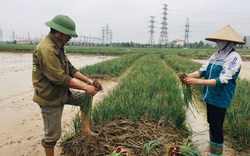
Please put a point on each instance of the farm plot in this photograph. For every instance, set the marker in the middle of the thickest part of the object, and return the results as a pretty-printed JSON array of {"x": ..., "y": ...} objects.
[
  {"x": 146, "y": 106},
  {"x": 150, "y": 94}
]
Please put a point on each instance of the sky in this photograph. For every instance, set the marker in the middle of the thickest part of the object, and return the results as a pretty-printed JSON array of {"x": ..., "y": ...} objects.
[{"x": 128, "y": 19}]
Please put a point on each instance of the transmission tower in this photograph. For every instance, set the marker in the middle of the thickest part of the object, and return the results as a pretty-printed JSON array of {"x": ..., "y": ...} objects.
[
  {"x": 1, "y": 35},
  {"x": 13, "y": 35},
  {"x": 103, "y": 35},
  {"x": 28, "y": 35},
  {"x": 107, "y": 33},
  {"x": 163, "y": 40},
  {"x": 186, "y": 41},
  {"x": 110, "y": 36},
  {"x": 151, "y": 40}
]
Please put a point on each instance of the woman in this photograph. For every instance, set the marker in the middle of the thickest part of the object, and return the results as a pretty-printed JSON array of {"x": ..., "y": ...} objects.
[{"x": 220, "y": 74}]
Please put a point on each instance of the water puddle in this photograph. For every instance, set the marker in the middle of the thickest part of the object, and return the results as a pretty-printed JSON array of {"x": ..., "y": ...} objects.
[
  {"x": 15, "y": 71},
  {"x": 197, "y": 120}
]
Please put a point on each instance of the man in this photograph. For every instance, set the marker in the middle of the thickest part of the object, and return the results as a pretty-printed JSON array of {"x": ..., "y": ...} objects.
[{"x": 52, "y": 76}]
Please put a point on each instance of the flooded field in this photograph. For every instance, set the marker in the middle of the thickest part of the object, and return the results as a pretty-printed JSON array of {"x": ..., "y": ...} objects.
[
  {"x": 198, "y": 123},
  {"x": 15, "y": 71},
  {"x": 21, "y": 123}
]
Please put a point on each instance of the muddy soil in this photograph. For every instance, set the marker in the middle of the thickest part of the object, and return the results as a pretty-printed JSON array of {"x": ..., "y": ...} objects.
[{"x": 130, "y": 135}]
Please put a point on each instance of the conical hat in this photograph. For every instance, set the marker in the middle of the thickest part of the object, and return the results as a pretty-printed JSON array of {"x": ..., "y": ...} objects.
[{"x": 226, "y": 33}]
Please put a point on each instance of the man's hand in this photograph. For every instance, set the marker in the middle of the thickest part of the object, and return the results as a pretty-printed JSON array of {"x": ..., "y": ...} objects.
[
  {"x": 97, "y": 85},
  {"x": 91, "y": 89},
  {"x": 89, "y": 82}
]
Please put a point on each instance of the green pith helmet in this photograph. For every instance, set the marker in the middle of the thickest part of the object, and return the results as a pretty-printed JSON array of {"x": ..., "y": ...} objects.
[{"x": 63, "y": 24}]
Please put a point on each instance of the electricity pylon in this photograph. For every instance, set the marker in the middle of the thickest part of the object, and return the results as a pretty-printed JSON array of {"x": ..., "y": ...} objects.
[
  {"x": 163, "y": 40},
  {"x": 151, "y": 40},
  {"x": 186, "y": 40}
]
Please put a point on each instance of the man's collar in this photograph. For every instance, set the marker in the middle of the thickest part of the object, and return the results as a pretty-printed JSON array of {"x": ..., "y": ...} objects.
[{"x": 58, "y": 42}]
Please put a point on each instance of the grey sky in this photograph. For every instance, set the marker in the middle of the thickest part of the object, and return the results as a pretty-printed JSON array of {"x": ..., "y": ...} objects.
[{"x": 128, "y": 19}]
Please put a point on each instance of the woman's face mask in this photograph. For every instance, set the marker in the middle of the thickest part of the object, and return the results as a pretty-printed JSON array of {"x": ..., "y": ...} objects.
[{"x": 221, "y": 44}]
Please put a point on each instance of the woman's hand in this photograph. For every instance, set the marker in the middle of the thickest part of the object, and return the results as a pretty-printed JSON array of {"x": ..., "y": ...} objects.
[{"x": 191, "y": 81}]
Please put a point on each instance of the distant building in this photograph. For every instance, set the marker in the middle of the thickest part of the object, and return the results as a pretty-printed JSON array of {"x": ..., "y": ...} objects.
[
  {"x": 24, "y": 42},
  {"x": 178, "y": 42},
  {"x": 28, "y": 41}
]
